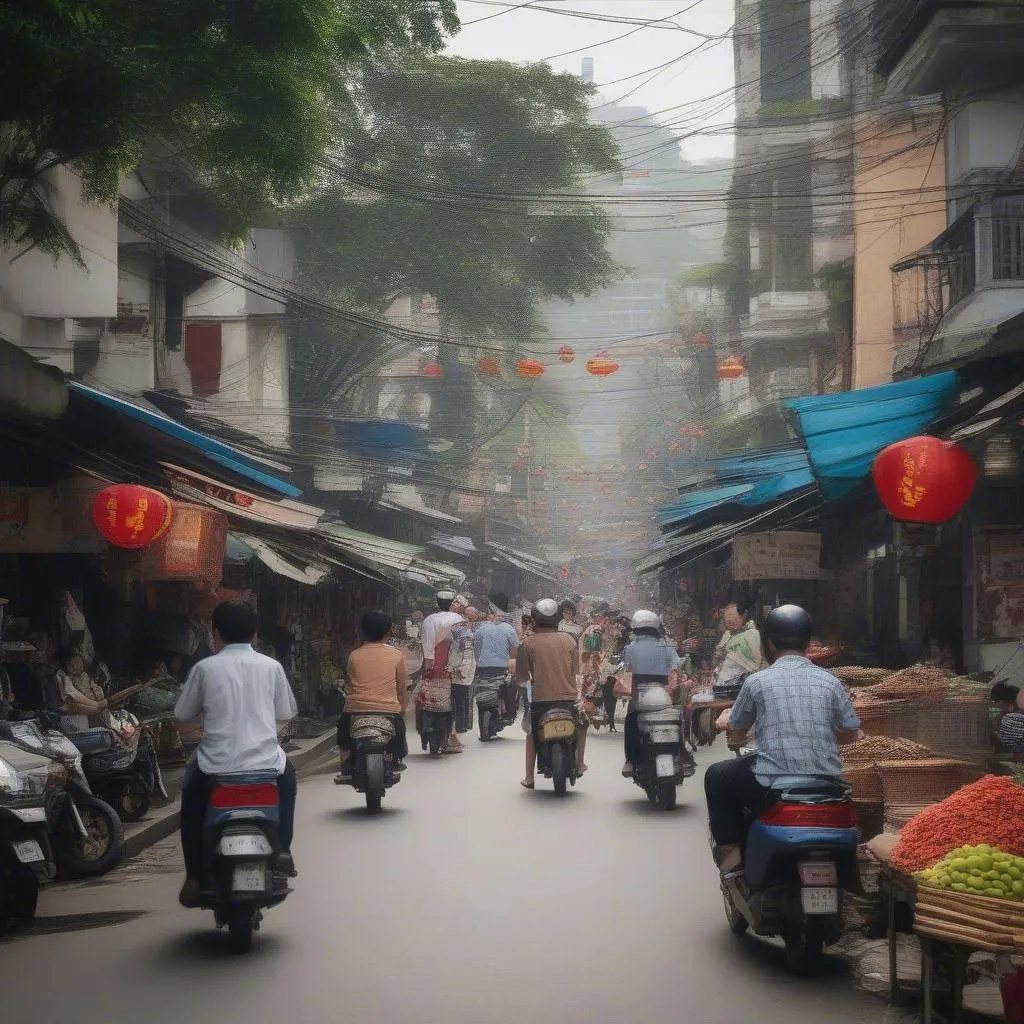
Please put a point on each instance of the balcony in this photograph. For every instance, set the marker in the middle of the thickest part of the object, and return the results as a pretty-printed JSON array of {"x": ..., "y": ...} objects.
[
  {"x": 952, "y": 296},
  {"x": 930, "y": 46}
]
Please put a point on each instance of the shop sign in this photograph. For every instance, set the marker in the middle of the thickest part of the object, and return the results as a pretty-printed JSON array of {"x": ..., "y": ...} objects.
[
  {"x": 777, "y": 556},
  {"x": 49, "y": 520},
  {"x": 194, "y": 486},
  {"x": 999, "y": 582}
]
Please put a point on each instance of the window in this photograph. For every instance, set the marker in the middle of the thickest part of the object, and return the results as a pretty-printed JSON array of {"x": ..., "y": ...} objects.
[
  {"x": 785, "y": 50},
  {"x": 203, "y": 354}
]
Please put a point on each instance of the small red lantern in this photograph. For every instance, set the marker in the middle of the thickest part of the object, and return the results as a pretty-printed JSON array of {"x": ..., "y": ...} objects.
[
  {"x": 566, "y": 354},
  {"x": 701, "y": 340},
  {"x": 674, "y": 446},
  {"x": 540, "y": 472},
  {"x": 130, "y": 516},
  {"x": 564, "y": 572},
  {"x": 530, "y": 368},
  {"x": 433, "y": 369},
  {"x": 652, "y": 453},
  {"x": 692, "y": 430},
  {"x": 731, "y": 368},
  {"x": 924, "y": 480},
  {"x": 523, "y": 450},
  {"x": 519, "y": 464},
  {"x": 606, "y": 490},
  {"x": 602, "y": 365},
  {"x": 489, "y": 365}
]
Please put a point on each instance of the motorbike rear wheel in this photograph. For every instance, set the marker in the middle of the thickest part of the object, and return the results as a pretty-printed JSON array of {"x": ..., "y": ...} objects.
[
  {"x": 485, "y": 726},
  {"x": 21, "y": 903},
  {"x": 738, "y": 924},
  {"x": 804, "y": 947},
  {"x": 102, "y": 849},
  {"x": 374, "y": 781},
  {"x": 665, "y": 796},
  {"x": 241, "y": 919},
  {"x": 558, "y": 768}
]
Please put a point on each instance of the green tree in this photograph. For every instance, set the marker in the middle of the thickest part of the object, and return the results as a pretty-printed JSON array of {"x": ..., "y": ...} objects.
[
  {"x": 251, "y": 94},
  {"x": 459, "y": 179}
]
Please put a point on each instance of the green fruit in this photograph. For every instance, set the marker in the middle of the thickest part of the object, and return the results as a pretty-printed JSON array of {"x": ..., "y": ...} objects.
[
  {"x": 994, "y": 892},
  {"x": 974, "y": 862},
  {"x": 1006, "y": 879},
  {"x": 959, "y": 887},
  {"x": 991, "y": 876},
  {"x": 1018, "y": 888},
  {"x": 976, "y": 883},
  {"x": 986, "y": 862},
  {"x": 958, "y": 863}
]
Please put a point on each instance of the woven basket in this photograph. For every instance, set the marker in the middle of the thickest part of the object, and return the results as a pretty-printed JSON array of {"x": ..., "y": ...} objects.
[
  {"x": 865, "y": 782},
  {"x": 856, "y": 675},
  {"x": 897, "y": 815},
  {"x": 980, "y": 922},
  {"x": 927, "y": 781},
  {"x": 885, "y": 718},
  {"x": 954, "y": 727}
]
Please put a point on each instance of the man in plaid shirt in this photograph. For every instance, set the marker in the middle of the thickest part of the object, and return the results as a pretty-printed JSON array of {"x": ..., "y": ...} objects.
[{"x": 802, "y": 715}]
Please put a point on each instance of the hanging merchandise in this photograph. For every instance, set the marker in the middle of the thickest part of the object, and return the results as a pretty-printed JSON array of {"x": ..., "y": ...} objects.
[
  {"x": 432, "y": 369},
  {"x": 602, "y": 365},
  {"x": 731, "y": 368},
  {"x": 566, "y": 353},
  {"x": 924, "y": 479},
  {"x": 130, "y": 516},
  {"x": 489, "y": 365},
  {"x": 192, "y": 549},
  {"x": 530, "y": 368}
]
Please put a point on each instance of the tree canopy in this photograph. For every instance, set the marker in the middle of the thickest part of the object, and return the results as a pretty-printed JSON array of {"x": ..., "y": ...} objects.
[{"x": 250, "y": 94}]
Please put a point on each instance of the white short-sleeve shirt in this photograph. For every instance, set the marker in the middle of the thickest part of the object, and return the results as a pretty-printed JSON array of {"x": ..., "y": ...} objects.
[{"x": 242, "y": 695}]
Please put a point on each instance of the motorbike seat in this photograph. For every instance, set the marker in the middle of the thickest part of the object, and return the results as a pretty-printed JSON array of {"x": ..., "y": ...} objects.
[
  {"x": 245, "y": 778},
  {"x": 798, "y": 788},
  {"x": 90, "y": 740},
  {"x": 556, "y": 715}
]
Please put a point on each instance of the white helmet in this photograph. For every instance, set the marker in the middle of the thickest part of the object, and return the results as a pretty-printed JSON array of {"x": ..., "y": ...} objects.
[
  {"x": 545, "y": 612},
  {"x": 644, "y": 619}
]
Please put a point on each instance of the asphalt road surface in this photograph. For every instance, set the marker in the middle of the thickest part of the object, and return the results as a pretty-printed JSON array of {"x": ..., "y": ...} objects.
[{"x": 467, "y": 900}]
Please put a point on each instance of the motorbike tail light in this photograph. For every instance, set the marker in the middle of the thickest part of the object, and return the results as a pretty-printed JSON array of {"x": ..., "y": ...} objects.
[
  {"x": 830, "y": 815},
  {"x": 260, "y": 794}
]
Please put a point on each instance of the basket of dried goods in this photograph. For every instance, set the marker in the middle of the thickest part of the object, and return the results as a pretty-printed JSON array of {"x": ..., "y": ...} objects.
[
  {"x": 956, "y": 727},
  {"x": 881, "y": 717},
  {"x": 973, "y": 895},
  {"x": 920, "y": 682},
  {"x": 882, "y": 748},
  {"x": 857, "y": 675},
  {"x": 865, "y": 783},
  {"x": 989, "y": 811},
  {"x": 897, "y": 815},
  {"x": 924, "y": 781}
]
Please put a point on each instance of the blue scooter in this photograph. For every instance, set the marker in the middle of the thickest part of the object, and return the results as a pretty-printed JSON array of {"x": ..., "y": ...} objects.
[
  {"x": 240, "y": 849},
  {"x": 799, "y": 856}
]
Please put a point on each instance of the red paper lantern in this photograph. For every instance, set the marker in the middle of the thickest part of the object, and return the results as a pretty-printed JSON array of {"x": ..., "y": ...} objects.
[
  {"x": 602, "y": 365},
  {"x": 567, "y": 353},
  {"x": 652, "y": 453},
  {"x": 692, "y": 430},
  {"x": 701, "y": 340},
  {"x": 540, "y": 471},
  {"x": 731, "y": 368},
  {"x": 674, "y": 446},
  {"x": 130, "y": 516},
  {"x": 530, "y": 368},
  {"x": 433, "y": 369},
  {"x": 924, "y": 480},
  {"x": 489, "y": 366},
  {"x": 606, "y": 491},
  {"x": 519, "y": 464}
]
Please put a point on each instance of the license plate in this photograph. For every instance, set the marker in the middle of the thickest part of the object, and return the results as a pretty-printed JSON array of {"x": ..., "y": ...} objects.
[
  {"x": 818, "y": 872},
  {"x": 819, "y": 901},
  {"x": 664, "y": 766},
  {"x": 28, "y": 851},
  {"x": 244, "y": 846},
  {"x": 249, "y": 878},
  {"x": 664, "y": 734}
]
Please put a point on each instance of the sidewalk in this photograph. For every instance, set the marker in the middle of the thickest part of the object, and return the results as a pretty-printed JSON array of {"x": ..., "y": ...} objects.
[{"x": 163, "y": 820}]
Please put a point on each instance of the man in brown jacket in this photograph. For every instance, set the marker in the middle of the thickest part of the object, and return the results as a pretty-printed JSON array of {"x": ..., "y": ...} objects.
[{"x": 550, "y": 660}]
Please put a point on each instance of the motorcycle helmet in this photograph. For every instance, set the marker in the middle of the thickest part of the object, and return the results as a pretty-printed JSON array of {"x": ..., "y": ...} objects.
[
  {"x": 645, "y": 620},
  {"x": 788, "y": 627},
  {"x": 545, "y": 612}
]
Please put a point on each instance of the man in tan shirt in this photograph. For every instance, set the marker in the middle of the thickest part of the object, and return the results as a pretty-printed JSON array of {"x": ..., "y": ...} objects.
[
  {"x": 377, "y": 684},
  {"x": 551, "y": 661}
]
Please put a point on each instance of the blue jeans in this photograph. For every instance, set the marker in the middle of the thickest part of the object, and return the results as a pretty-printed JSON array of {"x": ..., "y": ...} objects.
[{"x": 195, "y": 795}]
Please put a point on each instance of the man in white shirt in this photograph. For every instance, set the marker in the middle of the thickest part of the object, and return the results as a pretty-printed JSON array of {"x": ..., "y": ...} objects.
[
  {"x": 241, "y": 697},
  {"x": 436, "y": 637}
]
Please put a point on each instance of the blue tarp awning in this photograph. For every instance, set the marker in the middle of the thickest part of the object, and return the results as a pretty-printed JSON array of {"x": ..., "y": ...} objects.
[
  {"x": 843, "y": 433},
  {"x": 697, "y": 502},
  {"x": 384, "y": 439},
  {"x": 217, "y": 451}
]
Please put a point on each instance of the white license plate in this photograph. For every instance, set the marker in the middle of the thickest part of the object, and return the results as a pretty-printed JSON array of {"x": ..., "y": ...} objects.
[
  {"x": 244, "y": 846},
  {"x": 249, "y": 878},
  {"x": 664, "y": 734},
  {"x": 818, "y": 872},
  {"x": 664, "y": 766},
  {"x": 819, "y": 901},
  {"x": 28, "y": 851}
]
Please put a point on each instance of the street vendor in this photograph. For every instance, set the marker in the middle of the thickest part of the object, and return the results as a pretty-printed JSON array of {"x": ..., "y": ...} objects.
[
  {"x": 739, "y": 651},
  {"x": 84, "y": 703}
]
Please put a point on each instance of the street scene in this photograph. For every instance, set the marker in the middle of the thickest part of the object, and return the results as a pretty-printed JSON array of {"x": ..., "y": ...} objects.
[{"x": 512, "y": 508}]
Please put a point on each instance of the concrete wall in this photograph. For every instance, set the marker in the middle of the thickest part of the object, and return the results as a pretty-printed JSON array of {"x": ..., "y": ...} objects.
[{"x": 898, "y": 209}]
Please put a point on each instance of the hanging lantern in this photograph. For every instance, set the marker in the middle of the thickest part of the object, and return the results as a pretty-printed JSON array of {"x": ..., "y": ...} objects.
[
  {"x": 530, "y": 368},
  {"x": 641, "y": 466},
  {"x": 652, "y": 453},
  {"x": 566, "y": 354},
  {"x": 602, "y": 365},
  {"x": 564, "y": 573},
  {"x": 519, "y": 464},
  {"x": 924, "y": 480},
  {"x": 540, "y": 471},
  {"x": 489, "y": 365},
  {"x": 130, "y": 516},
  {"x": 701, "y": 340},
  {"x": 731, "y": 368},
  {"x": 606, "y": 490},
  {"x": 674, "y": 446},
  {"x": 432, "y": 369},
  {"x": 191, "y": 550},
  {"x": 692, "y": 430},
  {"x": 523, "y": 450}
]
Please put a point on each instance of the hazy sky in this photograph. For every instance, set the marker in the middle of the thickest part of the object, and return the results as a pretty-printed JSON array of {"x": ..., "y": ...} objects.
[{"x": 675, "y": 72}]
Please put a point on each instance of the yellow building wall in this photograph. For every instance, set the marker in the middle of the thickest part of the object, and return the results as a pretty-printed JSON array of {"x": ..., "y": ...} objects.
[{"x": 899, "y": 206}]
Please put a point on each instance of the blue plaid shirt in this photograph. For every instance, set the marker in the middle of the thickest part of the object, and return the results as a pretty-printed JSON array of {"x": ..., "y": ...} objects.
[{"x": 797, "y": 709}]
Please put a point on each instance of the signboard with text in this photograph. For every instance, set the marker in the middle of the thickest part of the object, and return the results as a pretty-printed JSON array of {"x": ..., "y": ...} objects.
[{"x": 777, "y": 556}]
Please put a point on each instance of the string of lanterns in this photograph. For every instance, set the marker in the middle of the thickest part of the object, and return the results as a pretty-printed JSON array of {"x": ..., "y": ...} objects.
[{"x": 601, "y": 365}]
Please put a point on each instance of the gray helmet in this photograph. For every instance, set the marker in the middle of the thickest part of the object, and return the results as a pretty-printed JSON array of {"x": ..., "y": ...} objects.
[
  {"x": 545, "y": 612},
  {"x": 788, "y": 627},
  {"x": 644, "y": 619}
]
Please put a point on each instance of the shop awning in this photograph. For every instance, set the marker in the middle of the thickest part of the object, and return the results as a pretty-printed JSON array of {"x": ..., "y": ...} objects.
[
  {"x": 310, "y": 574},
  {"x": 698, "y": 502},
  {"x": 217, "y": 451},
  {"x": 407, "y": 498},
  {"x": 392, "y": 555},
  {"x": 462, "y": 546},
  {"x": 526, "y": 562},
  {"x": 844, "y": 432}
]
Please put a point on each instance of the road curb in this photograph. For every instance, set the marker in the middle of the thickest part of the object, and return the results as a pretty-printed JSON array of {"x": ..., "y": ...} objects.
[{"x": 169, "y": 819}]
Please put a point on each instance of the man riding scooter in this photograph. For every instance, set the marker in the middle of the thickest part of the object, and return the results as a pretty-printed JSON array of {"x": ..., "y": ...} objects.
[
  {"x": 802, "y": 715},
  {"x": 241, "y": 697}
]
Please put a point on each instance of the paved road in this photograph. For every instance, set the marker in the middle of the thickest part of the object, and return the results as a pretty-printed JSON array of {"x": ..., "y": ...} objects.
[{"x": 467, "y": 900}]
